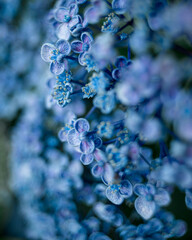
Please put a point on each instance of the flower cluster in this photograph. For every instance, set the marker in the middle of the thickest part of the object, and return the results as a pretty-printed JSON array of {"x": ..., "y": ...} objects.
[{"x": 119, "y": 90}]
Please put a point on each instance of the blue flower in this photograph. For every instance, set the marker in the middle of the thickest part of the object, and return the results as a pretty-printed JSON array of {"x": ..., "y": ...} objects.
[
  {"x": 64, "y": 78},
  {"x": 69, "y": 20},
  {"x": 111, "y": 23},
  {"x": 116, "y": 157},
  {"x": 88, "y": 91},
  {"x": 120, "y": 6},
  {"x": 116, "y": 193},
  {"x": 86, "y": 141},
  {"x": 56, "y": 55},
  {"x": 99, "y": 82},
  {"x": 83, "y": 46},
  {"x": 121, "y": 64},
  {"x": 61, "y": 94},
  {"x": 105, "y": 101},
  {"x": 105, "y": 129},
  {"x": 148, "y": 231},
  {"x": 102, "y": 168},
  {"x": 149, "y": 198}
]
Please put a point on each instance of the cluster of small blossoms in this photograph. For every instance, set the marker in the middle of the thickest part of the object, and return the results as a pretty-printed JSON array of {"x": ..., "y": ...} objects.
[
  {"x": 120, "y": 92},
  {"x": 118, "y": 56}
]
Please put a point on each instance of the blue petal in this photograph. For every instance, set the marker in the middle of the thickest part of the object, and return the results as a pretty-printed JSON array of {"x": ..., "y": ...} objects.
[
  {"x": 113, "y": 194},
  {"x": 98, "y": 142},
  {"x": 140, "y": 189},
  {"x": 46, "y": 51},
  {"x": 92, "y": 15},
  {"x": 73, "y": 138},
  {"x": 82, "y": 125},
  {"x": 116, "y": 74},
  {"x": 120, "y": 6},
  {"x": 162, "y": 197},
  {"x": 126, "y": 188},
  {"x": 188, "y": 199},
  {"x": 145, "y": 208},
  {"x": 63, "y": 133},
  {"x": 57, "y": 68},
  {"x": 61, "y": 14},
  {"x": 108, "y": 174},
  {"x": 63, "y": 31},
  {"x": 179, "y": 229},
  {"x": 64, "y": 47},
  {"x": 73, "y": 9},
  {"x": 150, "y": 189},
  {"x": 86, "y": 159}
]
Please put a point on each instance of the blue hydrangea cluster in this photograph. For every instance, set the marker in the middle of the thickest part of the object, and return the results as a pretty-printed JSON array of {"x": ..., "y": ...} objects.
[{"x": 100, "y": 152}]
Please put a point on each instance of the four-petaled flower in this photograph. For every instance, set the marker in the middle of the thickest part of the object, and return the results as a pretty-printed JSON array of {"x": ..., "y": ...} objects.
[
  {"x": 84, "y": 140},
  {"x": 121, "y": 63},
  {"x": 56, "y": 55},
  {"x": 69, "y": 21},
  {"x": 149, "y": 198},
  {"x": 116, "y": 193},
  {"x": 83, "y": 46}
]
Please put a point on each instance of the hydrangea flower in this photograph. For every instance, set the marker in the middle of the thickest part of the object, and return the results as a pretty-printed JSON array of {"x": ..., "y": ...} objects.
[
  {"x": 105, "y": 129},
  {"x": 69, "y": 20},
  {"x": 56, "y": 55},
  {"x": 105, "y": 101},
  {"x": 61, "y": 94},
  {"x": 116, "y": 193},
  {"x": 149, "y": 197},
  {"x": 82, "y": 46},
  {"x": 121, "y": 63}
]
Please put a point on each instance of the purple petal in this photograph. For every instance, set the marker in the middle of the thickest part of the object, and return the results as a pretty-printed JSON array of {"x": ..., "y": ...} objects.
[
  {"x": 61, "y": 14},
  {"x": 121, "y": 62},
  {"x": 99, "y": 155},
  {"x": 92, "y": 15},
  {"x": 108, "y": 174},
  {"x": 57, "y": 68},
  {"x": 73, "y": 9},
  {"x": 86, "y": 159},
  {"x": 77, "y": 46},
  {"x": 87, "y": 146},
  {"x": 113, "y": 194},
  {"x": 145, "y": 208},
  {"x": 97, "y": 170},
  {"x": 82, "y": 125},
  {"x": 73, "y": 138},
  {"x": 126, "y": 188},
  {"x": 140, "y": 189},
  {"x": 46, "y": 51},
  {"x": 162, "y": 197},
  {"x": 86, "y": 38},
  {"x": 74, "y": 21},
  {"x": 64, "y": 47},
  {"x": 120, "y": 6},
  {"x": 63, "y": 31}
]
